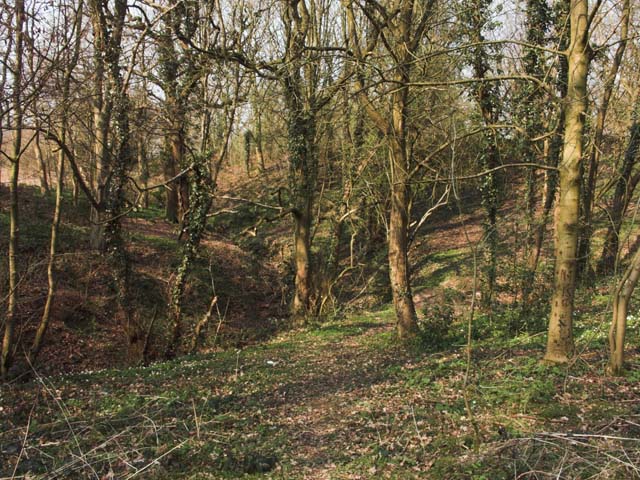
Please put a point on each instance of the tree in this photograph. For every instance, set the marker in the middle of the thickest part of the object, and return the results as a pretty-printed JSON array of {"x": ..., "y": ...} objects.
[
  {"x": 486, "y": 95},
  {"x": 538, "y": 112},
  {"x": 6, "y": 356},
  {"x": 178, "y": 78},
  {"x": 400, "y": 32},
  {"x": 625, "y": 184},
  {"x": 560, "y": 333},
  {"x": 588, "y": 192},
  {"x": 69, "y": 66},
  {"x": 621, "y": 299},
  {"x": 114, "y": 155}
]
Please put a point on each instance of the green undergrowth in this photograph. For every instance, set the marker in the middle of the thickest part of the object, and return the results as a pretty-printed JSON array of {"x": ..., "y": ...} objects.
[{"x": 339, "y": 400}]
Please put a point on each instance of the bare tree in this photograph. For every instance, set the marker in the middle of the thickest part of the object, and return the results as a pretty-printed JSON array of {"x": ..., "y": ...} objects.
[
  {"x": 68, "y": 68},
  {"x": 588, "y": 192},
  {"x": 398, "y": 28},
  {"x": 560, "y": 335},
  {"x": 6, "y": 357}
]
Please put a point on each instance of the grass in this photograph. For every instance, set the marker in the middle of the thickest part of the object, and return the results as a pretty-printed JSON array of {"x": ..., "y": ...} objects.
[{"x": 340, "y": 400}]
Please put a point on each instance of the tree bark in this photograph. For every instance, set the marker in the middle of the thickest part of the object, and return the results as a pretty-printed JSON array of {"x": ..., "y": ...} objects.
[
  {"x": 560, "y": 334},
  {"x": 258, "y": 142},
  {"x": 44, "y": 180},
  {"x": 585, "y": 271},
  {"x": 486, "y": 98},
  {"x": 171, "y": 195},
  {"x": 195, "y": 222},
  {"x": 143, "y": 165},
  {"x": 51, "y": 279},
  {"x": 57, "y": 213},
  {"x": 102, "y": 112},
  {"x": 401, "y": 42},
  {"x": 621, "y": 300},
  {"x": 406, "y": 317},
  {"x": 303, "y": 171},
  {"x": 302, "y": 259},
  {"x": 623, "y": 192},
  {"x": 6, "y": 356}
]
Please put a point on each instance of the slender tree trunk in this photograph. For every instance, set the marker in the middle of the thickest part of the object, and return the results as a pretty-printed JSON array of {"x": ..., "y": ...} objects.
[
  {"x": 302, "y": 259},
  {"x": 541, "y": 222},
  {"x": 177, "y": 199},
  {"x": 399, "y": 270},
  {"x": 177, "y": 196},
  {"x": 585, "y": 271},
  {"x": 177, "y": 153},
  {"x": 247, "y": 152},
  {"x": 557, "y": 140},
  {"x": 6, "y": 358},
  {"x": 621, "y": 300},
  {"x": 560, "y": 335},
  {"x": 55, "y": 224},
  {"x": 258, "y": 142},
  {"x": 171, "y": 195},
  {"x": 623, "y": 192},
  {"x": 143, "y": 165},
  {"x": 44, "y": 180},
  {"x": 101, "y": 120},
  {"x": 101, "y": 154},
  {"x": 401, "y": 45},
  {"x": 531, "y": 110},
  {"x": 490, "y": 157},
  {"x": 195, "y": 223},
  {"x": 46, "y": 314},
  {"x": 75, "y": 191}
]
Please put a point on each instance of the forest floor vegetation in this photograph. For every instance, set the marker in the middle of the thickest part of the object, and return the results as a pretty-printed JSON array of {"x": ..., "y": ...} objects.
[
  {"x": 339, "y": 399},
  {"x": 343, "y": 400}
]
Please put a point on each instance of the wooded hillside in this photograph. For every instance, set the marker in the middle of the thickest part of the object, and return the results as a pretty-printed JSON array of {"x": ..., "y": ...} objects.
[{"x": 439, "y": 195}]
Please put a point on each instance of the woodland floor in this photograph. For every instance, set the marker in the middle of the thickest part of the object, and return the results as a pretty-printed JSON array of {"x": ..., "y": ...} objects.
[{"x": 342, "y": 400}]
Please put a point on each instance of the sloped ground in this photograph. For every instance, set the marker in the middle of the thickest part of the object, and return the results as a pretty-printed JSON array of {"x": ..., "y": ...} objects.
[
  {"x": 85, "y": 333},
  {"x": 340, "y": 401}
]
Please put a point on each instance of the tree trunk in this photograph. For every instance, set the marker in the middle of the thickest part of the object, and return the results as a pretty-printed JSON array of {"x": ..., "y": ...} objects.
[
  {"x": 44, "y": 321},
  {"x": 560, "y": 336},
  {"x": 541, "y": 222},
  {"x": 557, "y": 140},
  {"x": 486, "y": 97},
  {"x": 195, "y": 223},
  {"x": 171, "y": 195},
  {"x": 44, "y": 180},
  {"x": 6, "y": 357},
  {"x": 247, "y": 152},
  {"x": 401, "y": 45},
  {"x": 303, "y": 172},
  {"x": 143, "y": 165},
  {"x": 399, "y": 272},
  {"x": 621, "y": 299},
  {"x": 102, "y": 110},
  {"x": 55, "y": 224},
  {"x": 75, "y": 191},
  {"x": 585, "y": 271},
  {"x": 302, "y": 260},
  {"x": 623, "y": 192},
  {"x": 258, "y": 142}
]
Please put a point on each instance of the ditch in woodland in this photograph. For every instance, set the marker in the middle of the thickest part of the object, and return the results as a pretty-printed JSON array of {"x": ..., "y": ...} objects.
[{"x": 339, "y": 399}]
